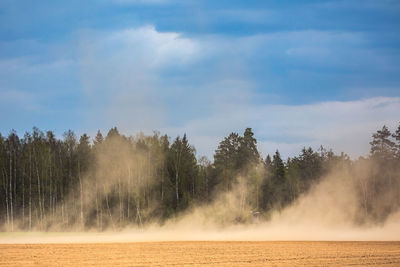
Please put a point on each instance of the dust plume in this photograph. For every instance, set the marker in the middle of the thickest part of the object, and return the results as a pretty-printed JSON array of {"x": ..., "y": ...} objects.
[
  {"x": 340, "y": 207},
  {"x": 126, "y": 193}
]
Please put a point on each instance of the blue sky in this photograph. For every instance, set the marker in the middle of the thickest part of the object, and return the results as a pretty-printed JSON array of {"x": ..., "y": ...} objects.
[{"x": 301, "y": 73}]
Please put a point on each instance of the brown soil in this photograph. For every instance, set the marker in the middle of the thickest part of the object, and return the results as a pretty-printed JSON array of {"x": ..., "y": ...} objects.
[{"x": 203, "y": 253}]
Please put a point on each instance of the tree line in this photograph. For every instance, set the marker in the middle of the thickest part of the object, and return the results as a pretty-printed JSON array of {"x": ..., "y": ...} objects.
[{"x": 113, "y": 181}]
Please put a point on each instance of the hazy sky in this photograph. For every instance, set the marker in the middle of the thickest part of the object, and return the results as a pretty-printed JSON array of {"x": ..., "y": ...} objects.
[{"x": 300, "y": 73}]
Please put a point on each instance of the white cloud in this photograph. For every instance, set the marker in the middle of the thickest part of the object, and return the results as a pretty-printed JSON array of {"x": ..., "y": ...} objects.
[
  {"x": 153, "y": 47},
  {"x": 143, "y": 79},
  {"x": 343, "y": 126},
  {"x": 121, "y": 73}
]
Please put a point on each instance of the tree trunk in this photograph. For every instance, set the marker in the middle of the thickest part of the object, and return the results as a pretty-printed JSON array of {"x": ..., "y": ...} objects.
[
  {"x": 39, "y": 195},
  {"x": 97, "y": 205},
  {"x": 15, "y": 186},
  {"x": 5, "y": 184},
  {"x": 129, "y": 193},
  {"x": 193, "y": 181},
  {"x": 177, "y": 165},
  {"x": 108, "y": 207},
  {"x": 81, "y": 194},
  {"x": 120, "y": 200},
  {"x": 176, "y": 188},
  {"x": 138, "y": 216},
  {"x": 50, "y": 212},
  {"x": 257, "y": 193},
  {"x": 30, "y": 190},
  {"x": 62, "y": 211},
  {"x": 11, "y": 195},
  {"x": 207, "y": 189},
  {"x": 23, "y": 198},
  {"x": 162, "y": 184}
]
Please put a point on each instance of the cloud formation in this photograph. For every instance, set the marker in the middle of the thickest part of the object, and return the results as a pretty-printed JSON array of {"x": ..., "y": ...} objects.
[
  {"x": 143, "y": 79},
  {"x": 122, "y": 74},
  {"x": 343, "y": 126}
]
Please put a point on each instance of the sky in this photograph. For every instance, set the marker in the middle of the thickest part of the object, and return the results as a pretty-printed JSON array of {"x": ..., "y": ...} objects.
[{"x": 299, "y": 73}]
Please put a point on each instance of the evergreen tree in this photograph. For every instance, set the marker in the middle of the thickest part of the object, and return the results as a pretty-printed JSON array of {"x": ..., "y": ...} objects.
[
  {"x": 227, "y": 159},
  {"x": 382, "y": 148},
  {"x": 84, "y": 159},
  {"x": 206, "y": 182},
  {"x": 113, "y": 132},
  {"x": 278, "y": 168},
  {"x": 183, "y": 171},
  {"x": 310, "y": 165},
  {"x": 45, "y": 181},
  {"x": 273, "y": 187},
  {"x": 396, "y": 136},
  {"x": 268, "y": 162},
  {"x": 248, "y": 153},
  {"x": 98, "y": 140}
]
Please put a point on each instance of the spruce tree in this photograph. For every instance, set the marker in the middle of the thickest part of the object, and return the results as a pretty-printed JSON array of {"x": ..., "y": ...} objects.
[
  {"x": 382, "y": 148},
  {"x": 396, "y": 136}
]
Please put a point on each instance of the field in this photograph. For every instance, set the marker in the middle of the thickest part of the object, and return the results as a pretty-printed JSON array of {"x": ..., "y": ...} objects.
[{"x": 203, "y": 253}]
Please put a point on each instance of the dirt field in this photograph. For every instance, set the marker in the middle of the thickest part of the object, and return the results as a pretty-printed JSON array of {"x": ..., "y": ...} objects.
[{"x": 203, "y": 253}]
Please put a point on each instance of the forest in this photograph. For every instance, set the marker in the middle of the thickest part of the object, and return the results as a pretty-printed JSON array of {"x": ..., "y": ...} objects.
[{"x": 114, "y": 181}]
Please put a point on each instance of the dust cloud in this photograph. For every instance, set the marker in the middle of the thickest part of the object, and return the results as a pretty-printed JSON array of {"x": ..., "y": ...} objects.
[
  {"x": 330, "y": 210},
  {"x": 339, "y": 207}
]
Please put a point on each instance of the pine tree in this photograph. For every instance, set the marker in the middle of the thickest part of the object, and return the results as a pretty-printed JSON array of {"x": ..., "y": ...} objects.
[
  {"x": 382, "y": 148},
  {"x": 248, "y": 153},
  {"x": 84, "y": 159},
  {"x": 113, "y": 132},
  {"x": 227, "y": 159},
  {"x": 183, "y": 169},
  {"x": 70, "y": 144},
  {"x": 278, "y": 168},
  {"x": 396, "y": 136},
  {"x": 98, "y": 140}
]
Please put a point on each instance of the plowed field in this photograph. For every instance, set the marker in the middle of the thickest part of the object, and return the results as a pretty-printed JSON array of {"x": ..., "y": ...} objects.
[{"x": 203, "y": 253}]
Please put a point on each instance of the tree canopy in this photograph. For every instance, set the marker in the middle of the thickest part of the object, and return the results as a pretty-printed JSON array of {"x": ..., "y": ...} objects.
[{"x": 120, "y": 180}]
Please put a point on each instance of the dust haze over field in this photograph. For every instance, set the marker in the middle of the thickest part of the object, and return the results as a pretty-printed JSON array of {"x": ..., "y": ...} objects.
[
  {"x": 332, "y": 209},
  {"x": 203, "y": 73}
]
